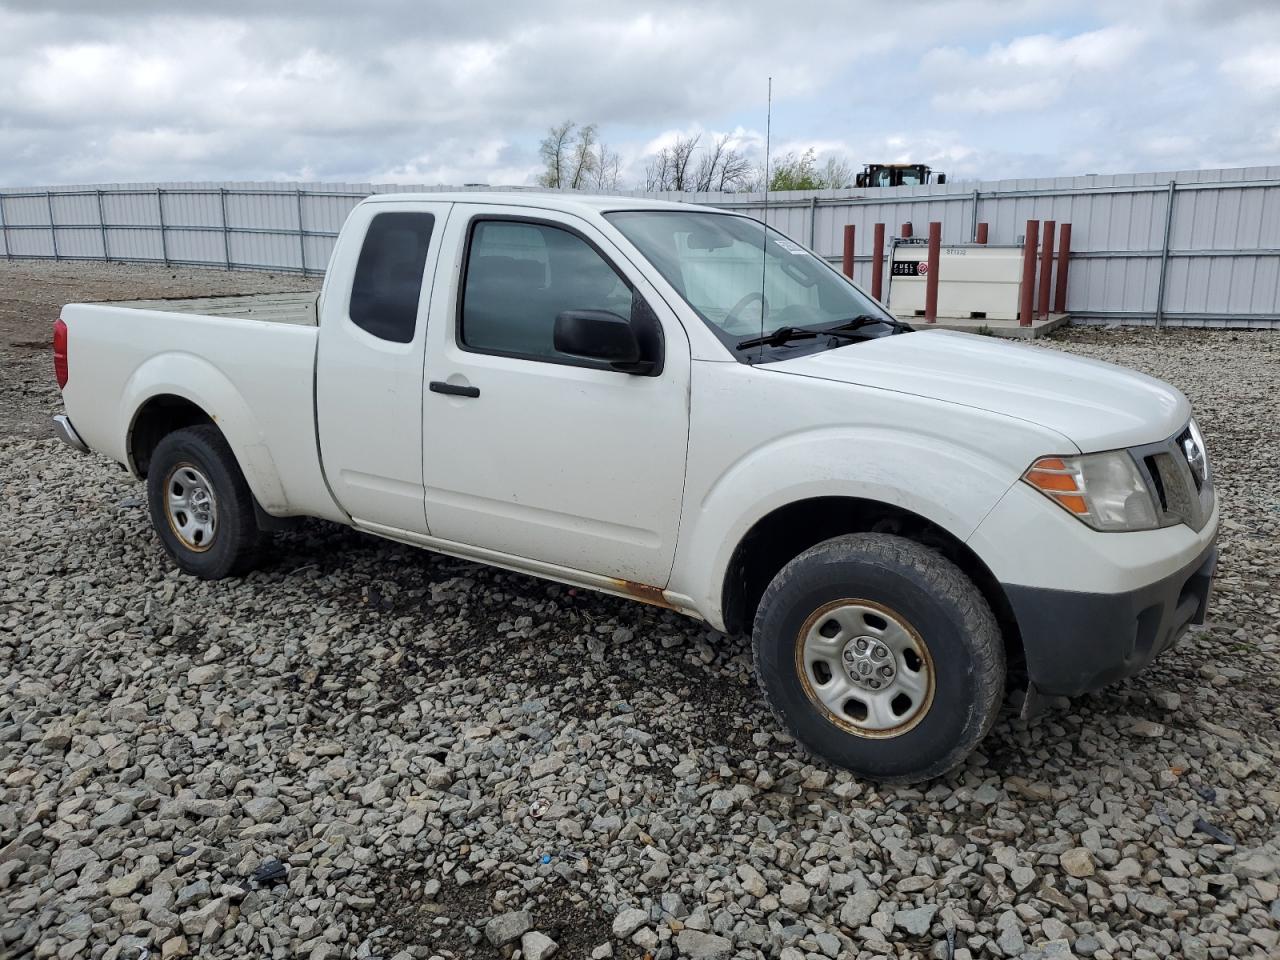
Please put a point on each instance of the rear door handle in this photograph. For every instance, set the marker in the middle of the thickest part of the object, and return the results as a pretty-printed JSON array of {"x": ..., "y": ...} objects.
[{"x": 452, "y": 389}]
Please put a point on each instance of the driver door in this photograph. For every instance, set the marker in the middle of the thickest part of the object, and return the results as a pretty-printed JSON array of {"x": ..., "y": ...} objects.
[{"x": 533, "y": 453}]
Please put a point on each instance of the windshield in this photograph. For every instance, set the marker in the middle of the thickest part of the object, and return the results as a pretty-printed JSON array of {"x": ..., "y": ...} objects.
[{"x": 714, "y": 261}]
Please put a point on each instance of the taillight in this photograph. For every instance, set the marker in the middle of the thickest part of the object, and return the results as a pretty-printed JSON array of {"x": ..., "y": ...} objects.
[{"x": 60, "y": 352}]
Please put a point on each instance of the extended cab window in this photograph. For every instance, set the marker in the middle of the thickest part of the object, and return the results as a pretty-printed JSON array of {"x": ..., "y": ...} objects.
[
  {"x": 388, "y": 280},
  {"x": 520, "y": 276}
]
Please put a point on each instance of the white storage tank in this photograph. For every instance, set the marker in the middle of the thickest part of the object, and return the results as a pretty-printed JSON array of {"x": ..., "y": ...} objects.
[{"x": 975, "y": 281}]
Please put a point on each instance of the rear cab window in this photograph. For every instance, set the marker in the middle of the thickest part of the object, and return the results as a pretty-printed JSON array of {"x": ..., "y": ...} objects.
[{"x": 388, "y": 277}]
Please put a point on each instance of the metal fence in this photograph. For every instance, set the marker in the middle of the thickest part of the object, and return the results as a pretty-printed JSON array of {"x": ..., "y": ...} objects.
[{"x": 1180, "y": 248}]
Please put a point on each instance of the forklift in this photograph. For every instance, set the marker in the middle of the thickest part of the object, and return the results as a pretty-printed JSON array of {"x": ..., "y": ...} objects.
[{"x": 897, "y": 175}]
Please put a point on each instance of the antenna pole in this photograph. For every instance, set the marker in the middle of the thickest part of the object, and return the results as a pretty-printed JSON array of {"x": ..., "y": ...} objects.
[{"x": 764, "y": 216}]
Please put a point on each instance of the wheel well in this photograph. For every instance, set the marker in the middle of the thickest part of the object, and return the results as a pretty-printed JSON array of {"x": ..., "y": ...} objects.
[
  {"x": 158, "y": 418},
  {"x": 784, "y": 534}
]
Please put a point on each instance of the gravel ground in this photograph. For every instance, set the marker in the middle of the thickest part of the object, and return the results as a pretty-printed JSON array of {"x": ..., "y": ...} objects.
[{"x": 365, "y": 750}]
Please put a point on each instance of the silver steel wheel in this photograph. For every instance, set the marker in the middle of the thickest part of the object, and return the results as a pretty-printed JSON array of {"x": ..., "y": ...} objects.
[
  {"x": 865, "y": 667},
  {"x": 191, "y": 507}
]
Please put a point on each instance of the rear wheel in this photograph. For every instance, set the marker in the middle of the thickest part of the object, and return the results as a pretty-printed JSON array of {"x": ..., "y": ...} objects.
[
  {"x": 881, "y": 656},
  {"x": 200, "y": 505}
]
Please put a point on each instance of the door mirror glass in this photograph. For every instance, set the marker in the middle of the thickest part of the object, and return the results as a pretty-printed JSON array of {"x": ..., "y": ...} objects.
[{"x": 599, "y": 335}]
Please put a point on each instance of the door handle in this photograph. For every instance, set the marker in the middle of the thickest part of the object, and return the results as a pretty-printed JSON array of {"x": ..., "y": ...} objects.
[{"x": 452, "y": 389}]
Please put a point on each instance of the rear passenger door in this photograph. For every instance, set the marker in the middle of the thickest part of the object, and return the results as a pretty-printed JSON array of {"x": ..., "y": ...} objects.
[
  {"x": 533, "y": 453},
  {"x": 370, "y": 357}
]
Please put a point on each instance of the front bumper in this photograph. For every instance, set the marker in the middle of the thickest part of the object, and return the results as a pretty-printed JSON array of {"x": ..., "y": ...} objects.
[
  {"x": 1080, "y": 642},
  {"x": 67, "y": 433}
]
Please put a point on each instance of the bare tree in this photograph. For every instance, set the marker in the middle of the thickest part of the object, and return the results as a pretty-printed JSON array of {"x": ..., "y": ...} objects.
[
  {"x": 672, "y": 167},
  {"x": 837, "y": 173},
  {"x": 735, "y": 172},
  {"x": 608, "y": 168},
  {"x": 555, "y": 149},
  {"x": 682, "y": 152},
  {"x": 709, "y": 165},
  {"x": 583, "y": 158},
  {"x": 721, "y": 168},
  {"x": 657, "y": 175}
]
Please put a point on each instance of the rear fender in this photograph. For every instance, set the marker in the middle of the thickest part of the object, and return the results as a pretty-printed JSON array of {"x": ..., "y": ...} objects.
[{"x": 196, "y": 380}]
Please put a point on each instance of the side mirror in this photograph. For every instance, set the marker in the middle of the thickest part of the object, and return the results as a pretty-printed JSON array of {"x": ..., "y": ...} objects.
[{"x": 600, "y": 335}]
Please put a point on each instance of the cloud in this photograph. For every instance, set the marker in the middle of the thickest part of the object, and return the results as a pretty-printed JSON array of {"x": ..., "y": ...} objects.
[
  {"x": 1256, "y": 71},
  {"x": 400, "y": 91},
  {"x": 1030, "y": 72}
]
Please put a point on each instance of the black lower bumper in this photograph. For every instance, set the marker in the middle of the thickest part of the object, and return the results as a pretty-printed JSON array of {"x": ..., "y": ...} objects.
[{"x": 1079, "y": 642}]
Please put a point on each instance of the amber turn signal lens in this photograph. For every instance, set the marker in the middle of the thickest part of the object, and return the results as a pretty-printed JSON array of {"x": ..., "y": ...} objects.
[{"x": 1052, "y": 477}]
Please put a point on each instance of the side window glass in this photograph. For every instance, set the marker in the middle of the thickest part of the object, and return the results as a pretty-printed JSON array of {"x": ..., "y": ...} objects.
[
  {"x": 520, "y": 276},
  {"x": 388, "y": 280}
]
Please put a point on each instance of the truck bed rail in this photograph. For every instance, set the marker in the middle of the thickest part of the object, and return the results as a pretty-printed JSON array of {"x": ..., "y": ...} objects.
[{"x": 297, "y": 308}]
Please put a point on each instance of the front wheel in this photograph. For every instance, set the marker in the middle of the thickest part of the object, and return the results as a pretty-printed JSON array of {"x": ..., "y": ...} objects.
[
  {"x": 200, "y": 505},
  {"x": 881, "y": 656}
]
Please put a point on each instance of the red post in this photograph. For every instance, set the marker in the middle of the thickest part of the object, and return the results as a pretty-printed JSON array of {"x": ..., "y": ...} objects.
[
  {"x": 906, "y": 229},
  {"x": 1064, "y": 251},
  {"x": 877, "y": 262},
  {"x": 1046, "y": 268},
  {"x": 931, "y": 281},
  {"x": 982, "y": 233},
  {"x": 847, "y": 263},
  {"x": 1026, "y": 292}
]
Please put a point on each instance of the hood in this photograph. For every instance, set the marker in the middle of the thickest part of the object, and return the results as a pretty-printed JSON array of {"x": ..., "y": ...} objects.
[{"x": 1095, "y": 405}]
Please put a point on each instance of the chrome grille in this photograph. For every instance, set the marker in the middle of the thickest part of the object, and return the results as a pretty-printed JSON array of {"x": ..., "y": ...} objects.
[{"x": 1176, "y": 472}]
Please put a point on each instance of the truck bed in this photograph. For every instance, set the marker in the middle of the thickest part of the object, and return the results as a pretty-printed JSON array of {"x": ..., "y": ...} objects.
[
  {"x": 248, "y": 362},
  {"x": 295, "y": 308}
]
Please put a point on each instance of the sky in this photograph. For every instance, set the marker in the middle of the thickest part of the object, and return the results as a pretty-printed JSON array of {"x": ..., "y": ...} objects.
[{"x": 422, "y": 92}]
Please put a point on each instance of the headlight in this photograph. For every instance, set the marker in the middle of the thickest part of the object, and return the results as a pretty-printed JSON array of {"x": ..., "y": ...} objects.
[{"x": 1104, "y": 490}]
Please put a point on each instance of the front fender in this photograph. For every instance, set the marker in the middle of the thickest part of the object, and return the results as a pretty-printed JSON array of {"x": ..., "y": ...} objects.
[
  {"x": 950, "y": 484},
  {"x": 192, "y": 378}
]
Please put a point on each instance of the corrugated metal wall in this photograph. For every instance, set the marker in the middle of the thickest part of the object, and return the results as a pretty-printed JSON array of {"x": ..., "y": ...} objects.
[{"x": 1192, "y": 247}]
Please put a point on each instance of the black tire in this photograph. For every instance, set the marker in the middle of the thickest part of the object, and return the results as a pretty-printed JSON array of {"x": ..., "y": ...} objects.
[
  {"x": 234, "y": 545},
  {"x": 938, "y": 605}
]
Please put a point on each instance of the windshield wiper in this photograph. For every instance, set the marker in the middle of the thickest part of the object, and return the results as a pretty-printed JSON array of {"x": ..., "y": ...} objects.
[
  {"x": 787, "y": 334},
  {"x": 846, "y": 328},
  {"x": 866, "y": 319}
]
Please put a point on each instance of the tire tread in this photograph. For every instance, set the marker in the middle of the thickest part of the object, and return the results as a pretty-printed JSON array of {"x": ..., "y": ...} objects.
[{"x": 238, "y": 523}]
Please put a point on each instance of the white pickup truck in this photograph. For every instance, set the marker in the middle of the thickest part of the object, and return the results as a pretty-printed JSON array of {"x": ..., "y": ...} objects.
[{"x": 675, "y": 404}]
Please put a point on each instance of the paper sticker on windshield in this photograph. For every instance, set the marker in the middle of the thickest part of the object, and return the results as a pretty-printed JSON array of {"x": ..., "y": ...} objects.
[{"x": 788, "y": 246}]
